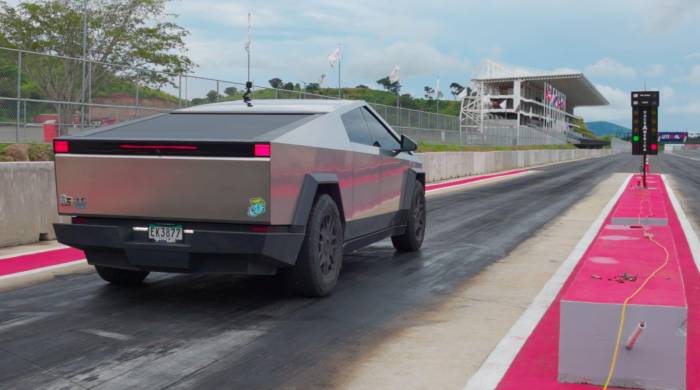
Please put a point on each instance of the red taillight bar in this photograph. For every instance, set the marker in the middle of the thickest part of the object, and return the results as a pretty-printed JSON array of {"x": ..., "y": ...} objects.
[
  {"x": 261, "y": 150},
  {"x": 172, "y": 147},
  {"x": 60, "y": 146}
]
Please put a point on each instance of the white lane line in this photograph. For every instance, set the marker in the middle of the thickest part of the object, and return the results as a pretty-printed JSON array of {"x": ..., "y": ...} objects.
[
  {"x": 106, "y": 334},
  {"x": 684, "y": 156},
  {"x": 33, "y": 252},
  {"x": 42, "y": 269},
  {"x": 478, "y": 181},
  {"x": 687, "y": 227},
  {"x": 499, "y": 360}
]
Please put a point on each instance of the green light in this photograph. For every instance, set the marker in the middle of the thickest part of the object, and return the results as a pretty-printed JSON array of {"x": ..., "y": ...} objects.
[{"x": 635, "y": 138}]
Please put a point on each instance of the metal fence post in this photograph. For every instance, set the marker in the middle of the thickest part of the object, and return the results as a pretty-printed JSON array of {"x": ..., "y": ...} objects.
[
  {"x": 89, "y": 115},
  {"x": 19, "y": 93},
  {"x": 138, "y": 78},
  {"x": 179, "y": 90}
]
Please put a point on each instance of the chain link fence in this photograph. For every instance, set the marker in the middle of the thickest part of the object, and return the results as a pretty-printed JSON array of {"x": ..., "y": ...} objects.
[{"x": 45, "y": 95}]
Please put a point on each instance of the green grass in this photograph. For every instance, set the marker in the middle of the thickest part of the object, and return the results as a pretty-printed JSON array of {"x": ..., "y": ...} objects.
[
  {"x": 427, "y": 147},
  {"x": 36, "y": 152}
]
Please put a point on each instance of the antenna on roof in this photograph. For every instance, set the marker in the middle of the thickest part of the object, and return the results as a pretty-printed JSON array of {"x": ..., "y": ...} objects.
[{"x": 248, "y": 84}]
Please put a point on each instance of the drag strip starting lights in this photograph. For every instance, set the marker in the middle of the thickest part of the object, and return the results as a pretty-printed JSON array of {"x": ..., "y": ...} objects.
[{"x": 645, "y": 122}]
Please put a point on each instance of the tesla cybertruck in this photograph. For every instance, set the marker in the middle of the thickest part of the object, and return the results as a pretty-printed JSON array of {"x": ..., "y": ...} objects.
[{"x": 284, "y": 186}]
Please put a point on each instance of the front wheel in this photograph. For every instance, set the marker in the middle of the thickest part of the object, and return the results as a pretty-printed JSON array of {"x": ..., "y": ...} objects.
[
  {"x": 316, "y": 270},
  {"x": 412, "y": 239}
]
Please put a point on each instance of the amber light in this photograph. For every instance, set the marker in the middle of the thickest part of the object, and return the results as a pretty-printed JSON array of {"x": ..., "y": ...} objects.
[
  {"x": 60, "y": 146},
  {"x": 261, "y": 150}
]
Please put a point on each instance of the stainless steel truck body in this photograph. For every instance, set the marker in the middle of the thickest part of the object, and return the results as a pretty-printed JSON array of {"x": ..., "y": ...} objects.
[{"x": 230, "y": 188}]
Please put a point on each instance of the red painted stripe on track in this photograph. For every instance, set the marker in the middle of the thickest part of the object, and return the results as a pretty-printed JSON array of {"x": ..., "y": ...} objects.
[
  {"x": 432, "y": 187},
  {"x": 13, "y": 265},
  {"x": 535, "y": 366}
]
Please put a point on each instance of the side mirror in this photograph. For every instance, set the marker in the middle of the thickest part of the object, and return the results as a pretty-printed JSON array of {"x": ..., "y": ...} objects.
[{"x": 407, "y": 144}]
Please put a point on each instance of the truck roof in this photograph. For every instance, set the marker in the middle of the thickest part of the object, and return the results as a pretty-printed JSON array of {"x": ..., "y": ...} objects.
[{"x": 271, "y": 106}]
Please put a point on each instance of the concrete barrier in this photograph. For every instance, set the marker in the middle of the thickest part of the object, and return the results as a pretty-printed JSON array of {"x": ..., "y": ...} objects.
[
  {"x": 28, "y": 189},
  {"x": 448, "y": 165},
  {"x": 27, "y": 202}
]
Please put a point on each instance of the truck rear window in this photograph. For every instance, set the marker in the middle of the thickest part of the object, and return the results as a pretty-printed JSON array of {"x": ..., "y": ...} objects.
[{"x": 242, "y": 127}]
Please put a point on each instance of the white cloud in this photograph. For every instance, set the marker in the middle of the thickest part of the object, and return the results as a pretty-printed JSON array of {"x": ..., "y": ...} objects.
[
  {"x": 688, "y": 108},
  {"x": 668, "y": 14},
  {"x": 608, "y": 67},
  {"x": 655, "y": 70},
  {"x": 619, "y": 108},
  {"x": 415, "y": 59},
  {"x": 694, "y": 76},
  {"x": 667, "y": 93}
]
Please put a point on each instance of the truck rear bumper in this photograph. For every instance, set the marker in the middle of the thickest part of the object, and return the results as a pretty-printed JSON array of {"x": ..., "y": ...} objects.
[{"x": 205, "y": 250}]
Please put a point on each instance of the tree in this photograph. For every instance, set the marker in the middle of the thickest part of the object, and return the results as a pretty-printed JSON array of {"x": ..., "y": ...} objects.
[
  {"x": 394, "y": 87},
  {"x": 456, "y": 88},
  {"x": 429, "y": 92},
  {"x": 230, "y": 91},
  {"x": 128, "y": 32},
  {"x": 212, "y": 96},
  {"x": 313, "y": 88},
  {"x": 361, "y": 86},
  {"x": 288, "y": 86},
  {"x": 276, "y": 82}
]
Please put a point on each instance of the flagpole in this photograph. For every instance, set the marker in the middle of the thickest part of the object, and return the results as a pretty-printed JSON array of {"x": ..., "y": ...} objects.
[
  {"x": 249, "y": 84},
  {"x": 339, "y": 61}
]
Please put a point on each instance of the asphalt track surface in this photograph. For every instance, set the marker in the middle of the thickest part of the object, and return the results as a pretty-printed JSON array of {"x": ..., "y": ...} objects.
[{"x": 203, "y": 331}]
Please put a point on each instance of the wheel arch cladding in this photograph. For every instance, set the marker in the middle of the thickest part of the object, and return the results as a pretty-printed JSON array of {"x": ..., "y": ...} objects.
[
  {"x": 412, "y": 175},
  {"x": 315, "y": 184}
]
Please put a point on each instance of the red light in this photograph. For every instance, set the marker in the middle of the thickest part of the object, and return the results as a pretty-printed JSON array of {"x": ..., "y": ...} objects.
[
  {"x": 172, "y": 147},
  {"x": 260, "y": 229},
  {"x": 261, "y": 150},
  {"x": 78, "y": 220},
  {"x": 60, "y": 146},
  {"x": 653, "y": 147}
]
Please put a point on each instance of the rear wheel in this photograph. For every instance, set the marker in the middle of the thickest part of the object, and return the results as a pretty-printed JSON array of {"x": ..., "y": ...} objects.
[
  {"x": 119, "y": 276},
  {"x": 316, "y": 270},
  {"x": 412, "y": 239}
]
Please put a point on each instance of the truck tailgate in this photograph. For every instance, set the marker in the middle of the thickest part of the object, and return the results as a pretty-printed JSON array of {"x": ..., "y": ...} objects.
[{"x": 217, "y": 189}]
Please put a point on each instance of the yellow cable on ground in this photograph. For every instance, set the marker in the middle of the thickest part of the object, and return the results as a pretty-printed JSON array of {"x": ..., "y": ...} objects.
[{"x": 611, "y": 371}]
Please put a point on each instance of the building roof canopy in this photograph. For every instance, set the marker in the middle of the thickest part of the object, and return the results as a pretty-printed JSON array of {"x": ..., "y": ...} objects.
[{"x": 578, "y": 89}]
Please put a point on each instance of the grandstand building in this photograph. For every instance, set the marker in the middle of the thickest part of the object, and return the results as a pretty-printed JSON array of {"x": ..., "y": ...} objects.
[{"x": 508, "y": 105}]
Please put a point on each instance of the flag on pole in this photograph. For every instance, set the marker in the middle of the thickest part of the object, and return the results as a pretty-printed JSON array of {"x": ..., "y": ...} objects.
[
  {"x": 462, "y": 94},
  {"x": 334, "y": 57},
  {"x": 437, "y": 89},
  {"x": 249, "y": 38},
  {"x": 394, "y": 75}
]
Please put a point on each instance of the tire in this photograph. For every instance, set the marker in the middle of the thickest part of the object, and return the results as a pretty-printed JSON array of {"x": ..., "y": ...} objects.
[
  {"x": 121, "y": 277},
  {"x": 412, "y": 239},
  {"x": 317, "y": 267}
]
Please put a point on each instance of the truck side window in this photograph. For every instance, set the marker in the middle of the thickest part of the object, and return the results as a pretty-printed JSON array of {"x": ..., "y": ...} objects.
[
  {"x": 356, "y": 127},
  {"x": 381, "y": 133}
]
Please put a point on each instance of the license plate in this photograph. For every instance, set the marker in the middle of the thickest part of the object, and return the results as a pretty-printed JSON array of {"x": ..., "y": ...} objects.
[{"x": 165, "y": 233}]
